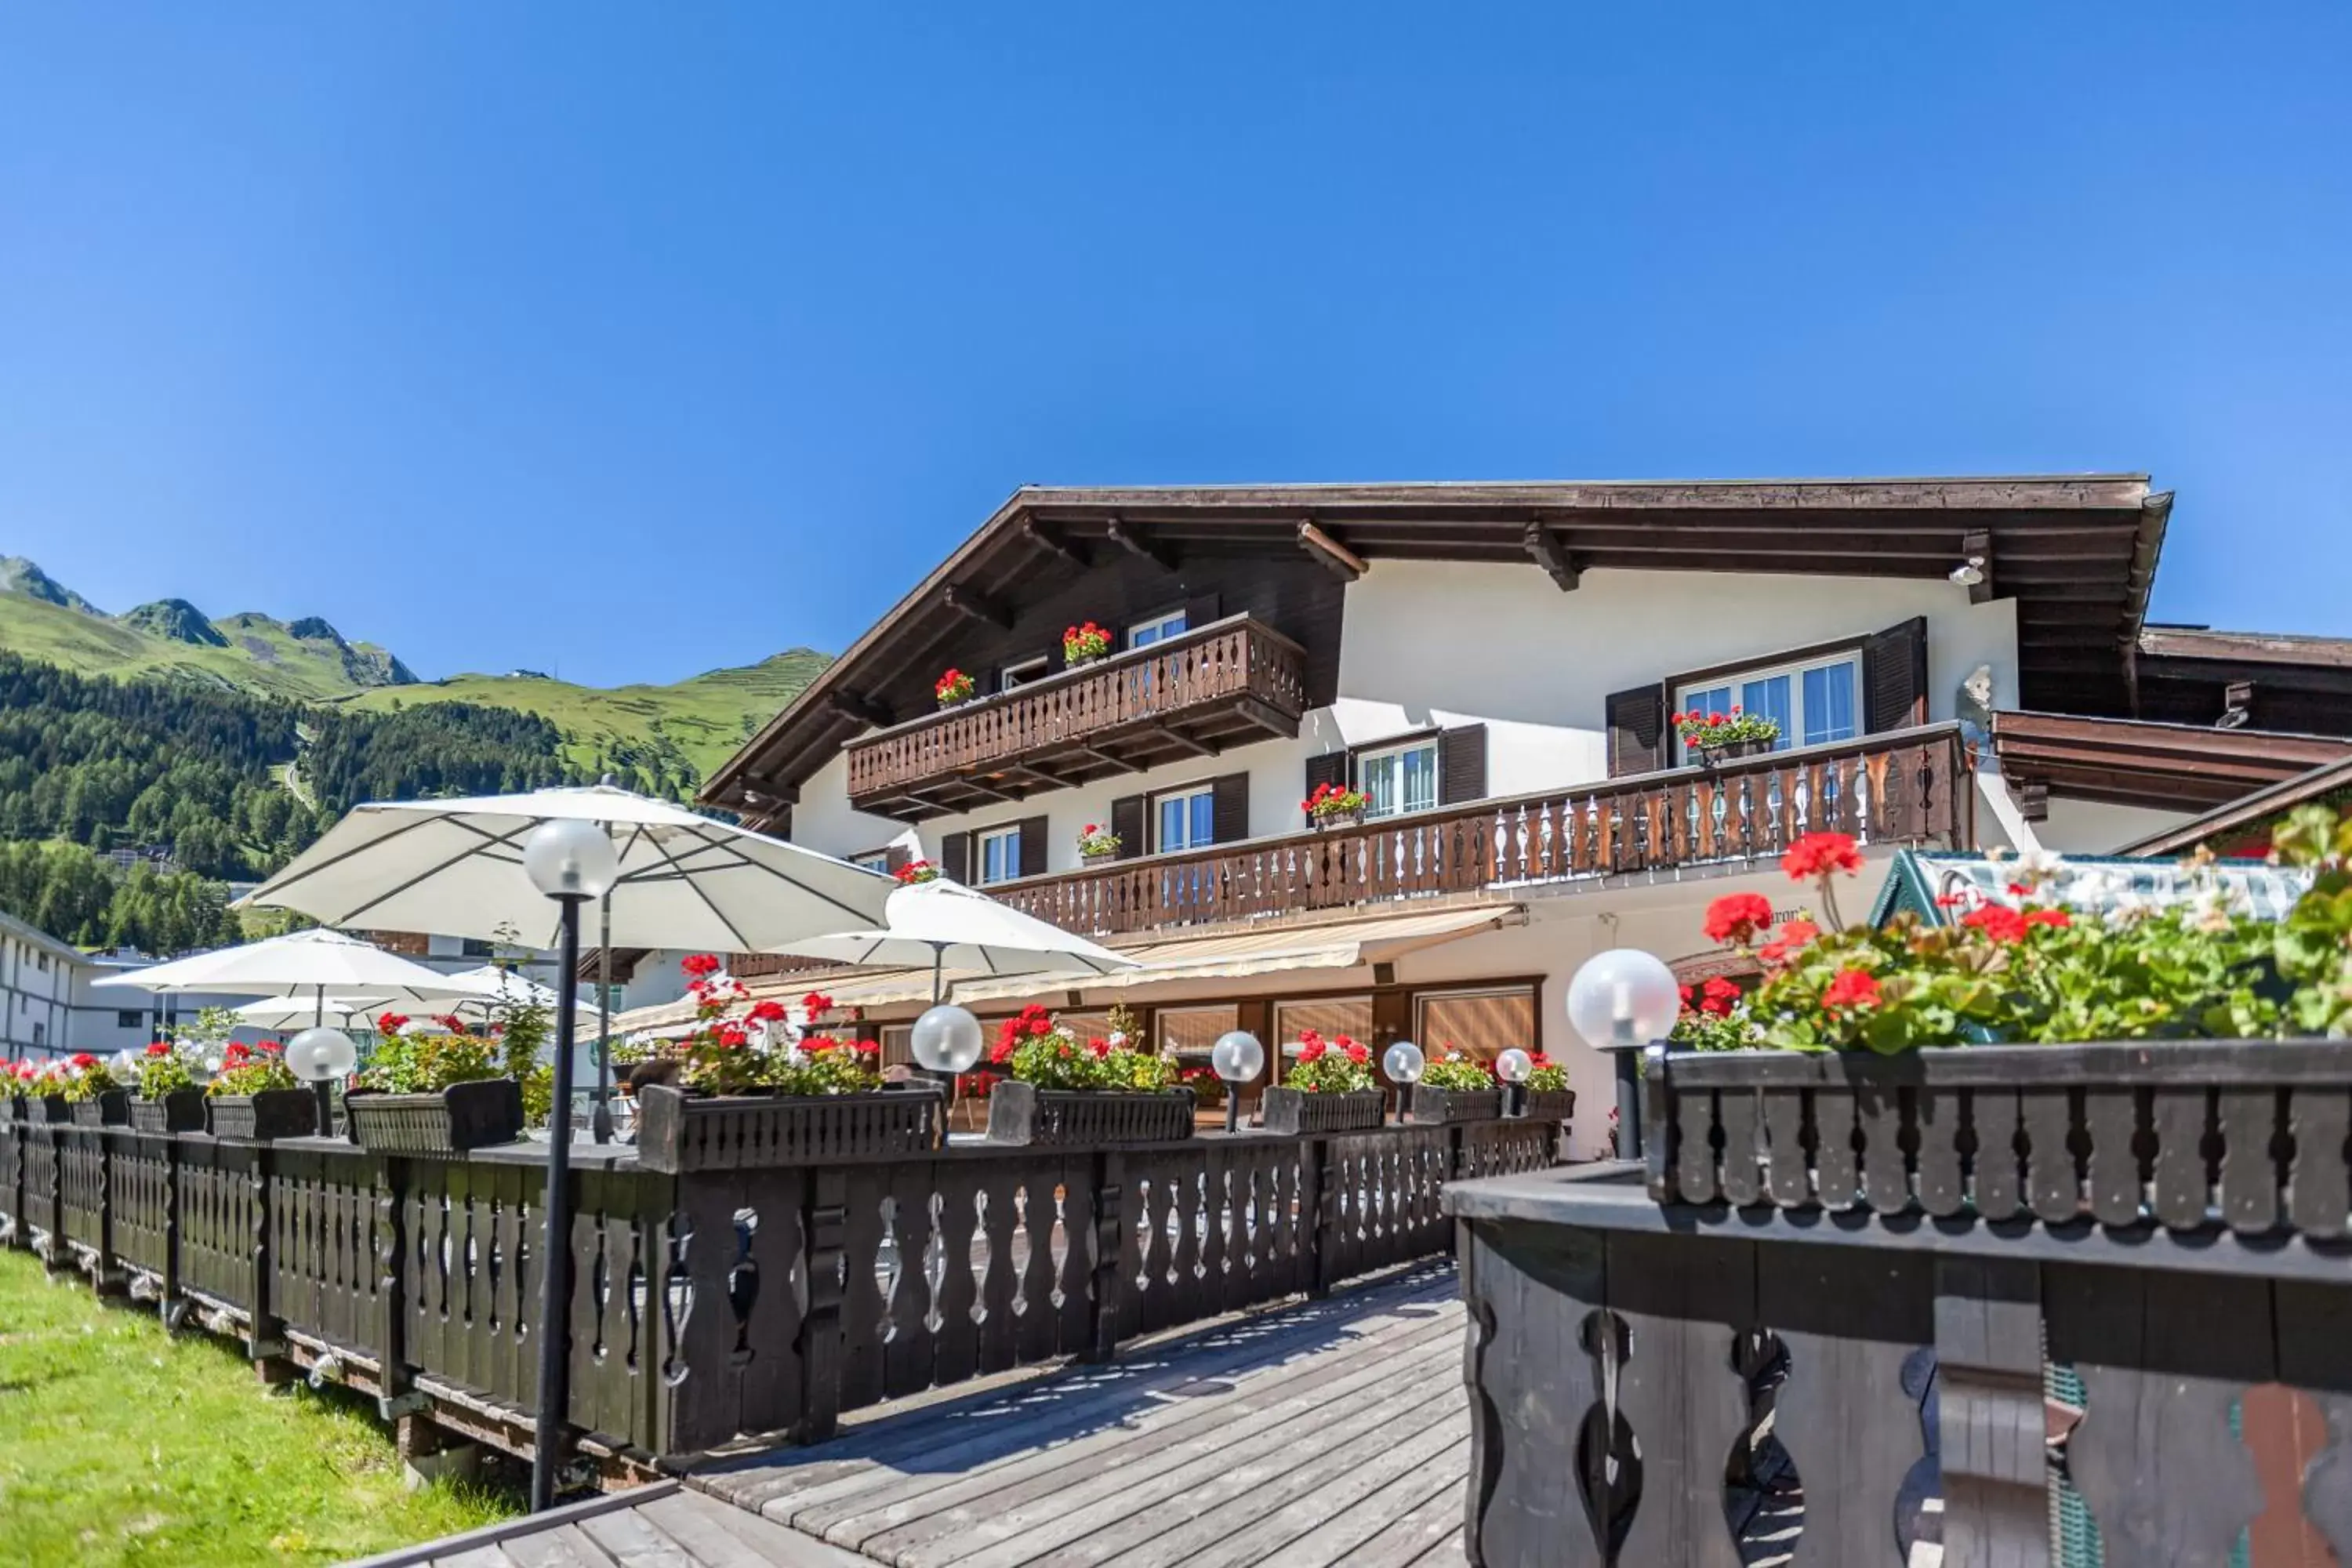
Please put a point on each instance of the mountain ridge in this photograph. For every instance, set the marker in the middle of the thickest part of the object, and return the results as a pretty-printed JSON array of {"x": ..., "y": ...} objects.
[{"x": 687, "y": 728}]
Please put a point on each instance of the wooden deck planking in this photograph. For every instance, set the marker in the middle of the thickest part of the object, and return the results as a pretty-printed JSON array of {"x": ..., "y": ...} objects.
[{"x": 1335, "y": 1432}]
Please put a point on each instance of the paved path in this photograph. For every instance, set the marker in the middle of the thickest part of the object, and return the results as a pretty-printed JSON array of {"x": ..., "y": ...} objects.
[{"x": 1334, "y": 1431}]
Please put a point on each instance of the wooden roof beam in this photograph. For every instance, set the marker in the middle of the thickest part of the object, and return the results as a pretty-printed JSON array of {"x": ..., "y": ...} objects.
[
  {"x": 973, "y": 605},
  {"x": 1135, "y": 541},
  {"x": 855, "y": 705},
  {"x": 1330, "y": 554},
  {"x": 1546, "y": 552},
  {"x": 1052, "y": 542}
]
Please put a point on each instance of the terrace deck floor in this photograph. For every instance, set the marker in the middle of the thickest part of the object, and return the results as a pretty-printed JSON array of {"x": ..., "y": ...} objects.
[{"x": 1332, "y": 1432}]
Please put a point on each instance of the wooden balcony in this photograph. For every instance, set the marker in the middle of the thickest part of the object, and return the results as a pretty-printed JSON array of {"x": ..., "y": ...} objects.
[
  {"x": 1224, "y": 684},
  {"x": 1905, "y": 787}
]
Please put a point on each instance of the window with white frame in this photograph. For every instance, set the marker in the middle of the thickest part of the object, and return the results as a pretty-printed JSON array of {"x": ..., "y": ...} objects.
[
  {"x": 1159, "y": 629},
  {"x": 1000, "y": 856},
  {"x": 1814, "y": 701},
  {"x": 872, "y": 860},
  {"x": 1021, "y": 674},
  {"x": 1398, "y": 779},
  {"x": 1184, "y": 819}
]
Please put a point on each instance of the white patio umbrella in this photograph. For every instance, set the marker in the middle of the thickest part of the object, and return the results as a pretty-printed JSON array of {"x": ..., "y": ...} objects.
[
  {"x": 318, "y": 966},
  {"x": 487, "y": 987},
  {"x": 278, "y": 1014},
  {"x": 684, "y": 880},
  {"x": 490, "y": 867},
  {"x": 941, "y": 922}
]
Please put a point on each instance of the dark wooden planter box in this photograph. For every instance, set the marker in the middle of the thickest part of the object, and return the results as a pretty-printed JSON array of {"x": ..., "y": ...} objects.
[
  {"x": 49, "y": 1107},
  {"x": 259, "y": 1118},
  {"x": 1708, "y": 756},
  {"x": 461, "y": 1117},
  {"x": 679, "y": 1132},
  {"x": 1021, "y": 1113},
  {"x": 110, "y": 1108},
  {"x": 1431, "y": 1106},
  {"x": 181, "y": 1110},
  {"x": 1549, "y": 1104},
  {"x": 1336, "y": 819},
  {"x": 2248, "y": 1135},
  {"x": 1296, "y": 1111}
]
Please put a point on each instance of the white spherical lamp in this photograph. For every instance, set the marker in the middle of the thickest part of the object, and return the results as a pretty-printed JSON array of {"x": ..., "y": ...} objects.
[
  {"x": 321, "y": 1056},
  {"x": 1237, "y": 1056},
  {"x": 570, "y": 859},
  {"x": 1623, "y": 999},
  {"x": 1403, "y": 1062},
  {"x": 1514, "y": 1064},
  {"x": 947, "y": 1039}
]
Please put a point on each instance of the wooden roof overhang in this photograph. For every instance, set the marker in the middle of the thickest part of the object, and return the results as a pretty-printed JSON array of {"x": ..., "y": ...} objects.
[
  {"x": 2123, "y": 762},
  {"x": 2250, "y": 817},
  {"x": 2077, "y": 554}
]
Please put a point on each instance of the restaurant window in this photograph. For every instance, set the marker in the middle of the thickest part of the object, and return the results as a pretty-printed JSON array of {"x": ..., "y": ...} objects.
[
  {"x": 1184, "y": 819},
  {"x": 1482, "y": 1023},
  {"x": 1159, "y": 629},
  {"x": 1189, "y": 1032},
  {"x": 129, "y": 1018},
  {"x": 1000, "y": 856},
  {"x": 1814, "y": 702},
  {"x": 1398, "y": 779},
  {"x": 1021, "y": 674},
  {"x": 1329, "y": 1016}
]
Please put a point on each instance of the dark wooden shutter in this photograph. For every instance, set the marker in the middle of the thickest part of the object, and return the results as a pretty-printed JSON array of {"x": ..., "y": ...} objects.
[
  {"x": 1330, "y": 768},
  {"x": 1229, "y": 808},
  {"x": 894, "y": 859},
  {"x": 1894, "y": 677},
  {"x": 1462, "y": 764},
  {"x": 1033, "y": 845},
  {"x": 955, "y": 856},
  {"x": 1198, "y": 613},
  {"x": 1128, "y": 822},
  {"x": 1637, "y": 731}
]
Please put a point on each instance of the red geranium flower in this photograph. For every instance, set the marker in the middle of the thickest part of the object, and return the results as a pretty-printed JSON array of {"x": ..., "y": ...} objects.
[
  {"x": 2055, "y": 918},
  {"x": 767, "y": 1010},
  {"x": 1851, "y": 988},
  {"x": 1818, "y": 854},
  {"x": 867, "y": 1047},
  {"x": 1737, "y": 917},
  {"x": 1357, "y": 1052},
  {"x": 732, "y": 1035},
  {"x": 1721, "y": 996},
  {"x": 699, "y": 965},
  {"x": 1000, "y": 1052},
  {"x": 158, "y": 1048},
  {"x": 1998, "y": 921},
  {"x": 84, "y": 1060},
  {"x": 1099, "y": 1045}
]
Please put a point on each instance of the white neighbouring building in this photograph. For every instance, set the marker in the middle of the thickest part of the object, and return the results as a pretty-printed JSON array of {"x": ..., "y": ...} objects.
[
  {"x": 1955, "y": 663},
  {"x": 37, "y": 982}
]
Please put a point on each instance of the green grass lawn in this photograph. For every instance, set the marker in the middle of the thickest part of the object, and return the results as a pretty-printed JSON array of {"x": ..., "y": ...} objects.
[{"x": 122, "y": 1444}]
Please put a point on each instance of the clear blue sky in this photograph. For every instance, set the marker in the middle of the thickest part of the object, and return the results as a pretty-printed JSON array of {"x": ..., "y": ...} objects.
[{"x": 637, "y": 340}]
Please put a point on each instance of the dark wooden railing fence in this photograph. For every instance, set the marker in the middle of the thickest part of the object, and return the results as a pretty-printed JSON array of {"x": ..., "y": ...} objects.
[
  {"x": 714, "y": 1305},
  {"x": 1233, "y": 660},
  {"x": 1908, "y": 788}
]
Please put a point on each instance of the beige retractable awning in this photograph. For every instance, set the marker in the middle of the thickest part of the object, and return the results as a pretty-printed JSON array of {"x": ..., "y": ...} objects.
[
  {"x": 1230, "y": 954},
  {"x": 1344, "y": 945}
]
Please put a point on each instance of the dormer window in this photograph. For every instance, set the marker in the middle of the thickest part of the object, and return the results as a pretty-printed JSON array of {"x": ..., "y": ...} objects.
[{"x": 1814, "y": 702}]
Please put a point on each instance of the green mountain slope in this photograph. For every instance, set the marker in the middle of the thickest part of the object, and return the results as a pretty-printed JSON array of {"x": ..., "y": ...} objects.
[
  {"x": 679, "y": 732},
  {"x": 703, "y": 720}
]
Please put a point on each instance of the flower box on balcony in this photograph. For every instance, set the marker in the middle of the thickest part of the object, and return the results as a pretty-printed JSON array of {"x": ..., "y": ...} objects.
[
  {"x": 180, "y": 1110},
  {"x": 1549, "y": 1104},
  {"x": 463, "y": 1116},
  {"x": 54, "y": 1108},
  {"x": 2246, "y": 1135},
  {"x": 107, "y": 1108},
  {"x": 1433, "y": 1106},
  {"x": 259, "y": 1118},
  {"x": 1285, "y": 1109},
  {"x": 680, "y": 1131},
  {"x": 1022, "y": 1113}
]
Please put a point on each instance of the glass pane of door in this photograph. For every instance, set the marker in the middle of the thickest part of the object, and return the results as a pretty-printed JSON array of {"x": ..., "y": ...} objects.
[
  {"x": 1829, "y": 704},
  {"x": 1419, "y": 767},
  {"x": 1379, "y": 782}
]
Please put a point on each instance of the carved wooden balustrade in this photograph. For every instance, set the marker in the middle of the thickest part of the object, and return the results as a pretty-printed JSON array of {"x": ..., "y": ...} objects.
[
  {"x": 1906, "y": 787},
  {"x": 1233, "y": 676},
  {"x": 714, "y": 1305}
]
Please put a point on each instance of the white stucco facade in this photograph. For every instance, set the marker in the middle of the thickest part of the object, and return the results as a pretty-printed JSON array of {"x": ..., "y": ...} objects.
[{"x": 1434, "y": 645}]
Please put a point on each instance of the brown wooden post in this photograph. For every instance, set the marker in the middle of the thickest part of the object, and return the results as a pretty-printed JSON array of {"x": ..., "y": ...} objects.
[
  {"x": 168, "y": 1303},
  {"x": 12, "y": 1180},
  {"x": 1320, "y": 1205},
  {"x": 107, "y": 1274},
  {"x": 60, "y": 1256},
  {"x": 825, "y": 1223},
  {"x": 396, "y": 1399},
  {"x": 265, "y": 1343},
  {"x": 1989, "y": 1411},
  {"x": 1109, "y": 1285}
]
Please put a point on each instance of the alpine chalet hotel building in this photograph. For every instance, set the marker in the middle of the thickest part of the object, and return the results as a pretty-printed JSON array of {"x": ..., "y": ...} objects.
[{"x": 1956, "y": 663}]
